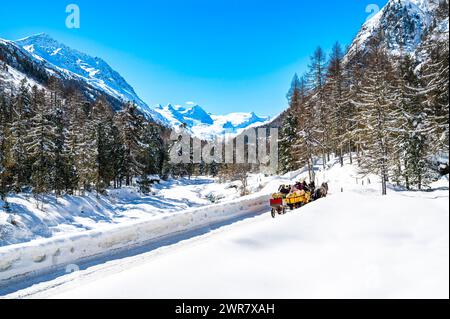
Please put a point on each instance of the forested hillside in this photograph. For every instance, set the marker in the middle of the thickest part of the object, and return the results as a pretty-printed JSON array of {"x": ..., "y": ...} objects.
[{"x": 57, "y": 141}]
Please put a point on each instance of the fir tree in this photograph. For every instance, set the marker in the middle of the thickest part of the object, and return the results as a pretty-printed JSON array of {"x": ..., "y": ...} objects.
[
  {"x": 40, "y": 144},
  {"x": 132, "y": 128}
]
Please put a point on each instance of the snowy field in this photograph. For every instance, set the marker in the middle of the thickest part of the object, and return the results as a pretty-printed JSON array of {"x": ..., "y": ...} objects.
[{"x": 353, "y": 244}]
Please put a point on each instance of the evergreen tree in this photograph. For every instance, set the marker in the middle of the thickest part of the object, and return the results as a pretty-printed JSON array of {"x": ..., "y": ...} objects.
[
  {"x": 288, "y": 160},
  {"x": 435, "y": 82},
  {"x": 377, "y": 111},
  {"x": 3, "y": 138},
  {"x": 412, "y": 144},
  {"x": 21, "y": 115},
  {"x": 289, "y": 137},
  {"x": 40, "y": 144},
  {"x": 320, "y": 117},
  {"x": 58, "y": 118},
  {"x": 335, "y": 91},
  {"x": 132, "y": 128}
]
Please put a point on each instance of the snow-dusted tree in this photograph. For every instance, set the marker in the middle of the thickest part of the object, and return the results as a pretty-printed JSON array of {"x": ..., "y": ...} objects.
[
  {"x": 3, "y": 135},
  {"x": 336, "y": 94},
  {"x": 354, "y": 74},
  {"x": 288, "y": 139},
  {"x": 412, "y": 144},
  {"x": 107, "y": 139},
  {"x": 40, "y": 144},
  {"x": 300, "y": 124},
  {"x": 153, "y": 153},
  {"x": 436, "y": 97},
  {"x": 377, "y": 115},
  {"x": 288, "y": 161},
  {"x": 132, "y": 129},
  {"x": 20, "y": 123},
  {"x": 74, "y": 106},
  {"x": 58, "y": 114},
  {"x": 320, "y": 118},
  {"x": 87, "y": 151}
]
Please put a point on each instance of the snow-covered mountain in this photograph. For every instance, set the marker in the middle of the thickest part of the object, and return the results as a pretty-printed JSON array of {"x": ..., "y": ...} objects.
[
  {"x": 403, "y": 25},
  {"x": 41, "y": 56},
  {"x": 205, "y": 125},
  {"x": 57, "y": 59}
]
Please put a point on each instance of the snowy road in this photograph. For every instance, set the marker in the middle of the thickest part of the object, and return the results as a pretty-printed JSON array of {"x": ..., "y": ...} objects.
[{"x": 350, "y": 245}]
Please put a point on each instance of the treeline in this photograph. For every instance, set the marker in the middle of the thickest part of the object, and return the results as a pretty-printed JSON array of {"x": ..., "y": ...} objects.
[
  {"x": 391, "y": 111},
  {"x": 52, "y": 141}
]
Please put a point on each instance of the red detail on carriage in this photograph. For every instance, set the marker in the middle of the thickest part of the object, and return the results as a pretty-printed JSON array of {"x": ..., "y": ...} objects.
[{"x": 276, "y": 202}]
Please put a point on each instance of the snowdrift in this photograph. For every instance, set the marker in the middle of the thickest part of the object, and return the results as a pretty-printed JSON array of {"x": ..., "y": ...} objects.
[{"x": 42, "y": 256}]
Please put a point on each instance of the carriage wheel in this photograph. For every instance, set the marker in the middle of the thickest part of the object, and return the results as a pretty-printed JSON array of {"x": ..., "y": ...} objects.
[{"x": 273, "y": 213}]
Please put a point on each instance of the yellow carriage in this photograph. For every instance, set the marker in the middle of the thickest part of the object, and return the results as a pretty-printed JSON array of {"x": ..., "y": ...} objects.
[{"x": 298, "y": 199}]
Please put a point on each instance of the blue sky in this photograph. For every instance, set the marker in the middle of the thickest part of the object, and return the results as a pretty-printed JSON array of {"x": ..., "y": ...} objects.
[{"x": 226, "y": 55}]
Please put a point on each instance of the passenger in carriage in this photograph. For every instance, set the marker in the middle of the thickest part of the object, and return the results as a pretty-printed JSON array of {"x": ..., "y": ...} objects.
[
  {"x": 305, "y": 186},
  {"x": 312, "y": 187},
  {"x": 285, "y": 189}
]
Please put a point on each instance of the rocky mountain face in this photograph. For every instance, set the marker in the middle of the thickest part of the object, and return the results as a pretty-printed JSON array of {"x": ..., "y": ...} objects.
[{"x": 403, "y": 26}]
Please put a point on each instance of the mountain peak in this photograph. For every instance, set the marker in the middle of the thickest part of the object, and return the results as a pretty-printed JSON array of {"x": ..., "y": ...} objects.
[
  {"x": 403, "y": 23},
  {"x": 35, "y": 36},
  {"x": 197, "y": 113},
  {"x": 39, "y": 38},
  {"x": 205, "y": 125}
]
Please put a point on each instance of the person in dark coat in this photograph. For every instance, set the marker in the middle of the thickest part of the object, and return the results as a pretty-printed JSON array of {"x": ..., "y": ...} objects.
[
  {"x": 305, "y": 186},
  {"x": 284, "y": 189}
]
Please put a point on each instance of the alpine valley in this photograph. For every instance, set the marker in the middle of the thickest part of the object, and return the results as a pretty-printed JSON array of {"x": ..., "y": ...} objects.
[
  {"x": 39, "y": 57},
  {"x": 356, "y": 207}
]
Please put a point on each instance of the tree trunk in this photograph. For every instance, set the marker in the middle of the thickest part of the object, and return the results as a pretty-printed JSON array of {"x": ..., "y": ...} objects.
[
  {"x": 350, "y": 152},
  {"x": 310, "y": 170}
]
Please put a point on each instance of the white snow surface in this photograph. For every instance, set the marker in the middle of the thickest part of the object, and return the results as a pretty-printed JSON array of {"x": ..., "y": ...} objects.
[
  {"x": 353, "y": 244},
  {"x": 12, "y": 79}
]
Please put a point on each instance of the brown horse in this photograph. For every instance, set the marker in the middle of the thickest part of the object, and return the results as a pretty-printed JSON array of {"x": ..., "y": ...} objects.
[{"x": 321, "y": 192}]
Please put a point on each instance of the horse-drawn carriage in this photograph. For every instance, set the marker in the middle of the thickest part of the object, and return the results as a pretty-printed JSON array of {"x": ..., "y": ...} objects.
[
  {"x": 294, "y": 198},
  {"x": 280, "y": 203}
]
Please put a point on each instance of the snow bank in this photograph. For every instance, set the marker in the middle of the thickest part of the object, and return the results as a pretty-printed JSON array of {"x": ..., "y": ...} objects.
[
  {"x": 73, "y": 214},
  {"x": 41, "y": 256}
]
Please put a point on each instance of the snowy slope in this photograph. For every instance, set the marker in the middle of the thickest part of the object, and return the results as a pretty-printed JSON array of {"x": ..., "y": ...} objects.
[
  {"x": 12, "y": 79},
  {"x": 95, "y": 71},
  {"x": 354, "y": 244},
  {"x": 205, "y": 125}
]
